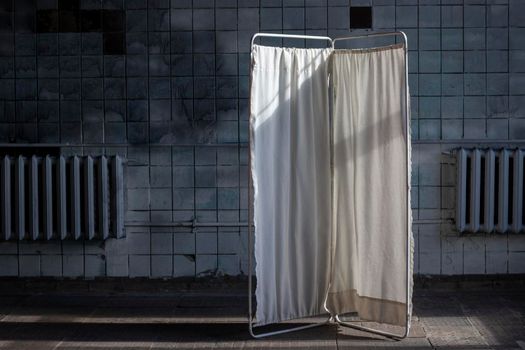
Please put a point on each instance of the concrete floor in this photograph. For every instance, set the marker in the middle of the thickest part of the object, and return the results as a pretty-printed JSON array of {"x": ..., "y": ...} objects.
[{"x": 490, "y": 319}]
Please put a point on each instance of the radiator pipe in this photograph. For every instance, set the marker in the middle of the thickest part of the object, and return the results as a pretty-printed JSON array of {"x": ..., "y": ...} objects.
[
  {"x": 194, "y": 223},
  {"x": 76, "y": 145},
  {"x": 245, "y": 144}
]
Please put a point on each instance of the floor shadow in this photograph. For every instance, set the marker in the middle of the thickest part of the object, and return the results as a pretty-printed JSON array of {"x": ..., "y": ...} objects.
[{"x": 454, "y": 320}]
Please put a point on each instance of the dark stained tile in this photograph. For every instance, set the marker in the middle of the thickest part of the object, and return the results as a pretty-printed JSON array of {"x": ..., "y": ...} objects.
[
  {"x": 6, "y": 45},
  {"x": 6, "y": 22},
  {"x": 68, "y": 4},
  {"x": 137, "y": 132},
  {"x": 69, "y": 43},
  {"x": 113, "y": 4},
  {"x": 47, "y": 4},
  {"x": 25, "y": 22},
  {"x": 25, "y": 44},
  {"x": 114, "y": 43},
  {"x": 69, "y": 21},
  {"x": 6, "y": 6},
  {"x": 24, "y": 5},
  {"x": 92, "y": 43},
  {"x": 113, "y": 20},
  {"x": 26, "y": 132},
  {"x": 47, "y": 21},
  {"x": 91, "y": 20},
  {"x": 47, "y": 44}
]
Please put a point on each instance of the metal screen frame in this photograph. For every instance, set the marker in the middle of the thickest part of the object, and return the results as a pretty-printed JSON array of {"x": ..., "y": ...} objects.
[{"x": 336, "y": 318}]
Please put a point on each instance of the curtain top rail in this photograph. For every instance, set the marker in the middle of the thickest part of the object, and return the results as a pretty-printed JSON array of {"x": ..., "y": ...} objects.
[
  {"x": 291, "y": 36},
  {"x": 330, "y": 40},
  {"x": 372, "y": 35}
]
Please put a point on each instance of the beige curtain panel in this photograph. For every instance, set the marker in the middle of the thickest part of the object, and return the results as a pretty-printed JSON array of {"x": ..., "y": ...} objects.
[
  {"x": 369, "y": 213},
  {"x": 330, "y": 183}
]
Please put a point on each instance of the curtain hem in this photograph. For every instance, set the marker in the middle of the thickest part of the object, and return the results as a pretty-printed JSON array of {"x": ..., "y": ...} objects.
[{"x": 368, "y": 309}]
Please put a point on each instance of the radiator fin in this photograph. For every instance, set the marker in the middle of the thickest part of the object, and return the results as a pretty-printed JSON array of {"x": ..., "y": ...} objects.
[
  {"x": 47, "y": 200},
  {"x": 20, "y": 198},
  {"x": 6, "y": 198}
]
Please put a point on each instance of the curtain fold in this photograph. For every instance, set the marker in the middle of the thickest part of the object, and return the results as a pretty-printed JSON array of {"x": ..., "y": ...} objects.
[
  {"x": 370, "y": 175},
  {"x": 330, "y": 198},
  {"x": 290, "y": 160}
]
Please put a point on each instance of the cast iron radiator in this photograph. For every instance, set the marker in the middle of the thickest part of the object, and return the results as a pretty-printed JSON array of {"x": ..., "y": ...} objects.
[
  {"x": 490, "y": 190},
  {"x": 45, "y": 198}
]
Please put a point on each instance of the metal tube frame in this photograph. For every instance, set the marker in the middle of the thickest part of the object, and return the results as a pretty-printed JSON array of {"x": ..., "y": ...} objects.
[{"x": 337, "y": 318}]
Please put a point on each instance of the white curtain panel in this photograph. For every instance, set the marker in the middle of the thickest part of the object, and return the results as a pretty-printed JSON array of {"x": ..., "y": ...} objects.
[
  {"x": 290, "y": 160},
  {"x": 370, "y": 218}
]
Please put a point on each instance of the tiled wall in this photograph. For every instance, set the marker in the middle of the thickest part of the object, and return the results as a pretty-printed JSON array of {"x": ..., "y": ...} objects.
[{"x": 165, "y": 84}]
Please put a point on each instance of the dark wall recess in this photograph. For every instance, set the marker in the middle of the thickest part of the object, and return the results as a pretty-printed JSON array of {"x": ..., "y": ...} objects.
[
  {"x": 29, "y": 151},
  {"x": 71, "y": 20},
  {"x": 360, "y": 17}
]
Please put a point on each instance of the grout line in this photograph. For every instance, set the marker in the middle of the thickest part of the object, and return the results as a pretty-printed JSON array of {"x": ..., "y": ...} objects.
[
  {"x": 508, "y": 69},
  {"x": 440, "y": 71},
  {"x": 149, "y": 133},
  {"x": 486, "y": 71},
  {"x": 37, "y": 97},
  {"x": 15, "y": 123},
  {"x": 194, "y": 148},
  {"x": 508, "y": 118},
  {"x": 13, "y": 18},
  {"x": 216, "y": 230},
  {"x": 172, "y": 233},
  {"x": 463, "y": 72}
]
